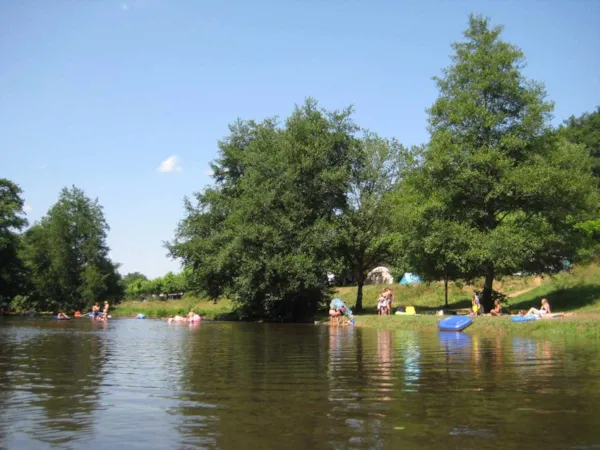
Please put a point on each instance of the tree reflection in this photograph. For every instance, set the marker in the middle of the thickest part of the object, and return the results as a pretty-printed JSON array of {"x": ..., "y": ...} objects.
[{"x": 58, "y": 370}]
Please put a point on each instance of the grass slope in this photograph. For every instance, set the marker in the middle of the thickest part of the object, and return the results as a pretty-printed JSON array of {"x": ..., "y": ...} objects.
[{"x": 578, "y": 291}]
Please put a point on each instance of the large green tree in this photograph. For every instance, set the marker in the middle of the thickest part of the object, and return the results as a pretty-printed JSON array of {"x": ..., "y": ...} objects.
[
  {"x": 264, "y": 235},
  {"x": 11, "y": 223},
  {"x": 585, "y": 130},
  {"x": 68, "y": 257},
  {"x": 365, "y": 226},
  {"x": 515, "y": 193}
]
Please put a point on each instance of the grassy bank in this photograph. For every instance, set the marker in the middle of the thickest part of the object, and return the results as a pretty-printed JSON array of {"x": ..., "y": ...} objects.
[
  {"x": 578, "y": 292},
  {"x": 223, "y": 310},
  {"x": 584, "y": 326}
]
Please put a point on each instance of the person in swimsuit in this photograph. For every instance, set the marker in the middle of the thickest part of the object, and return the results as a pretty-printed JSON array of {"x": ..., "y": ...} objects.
[
  {"x": 497, "y": 309},
  {"x": 545, "y": 309},
  {"x": 105, "y": 311},
  {"x": 95, "y": 311},
  {"x": 61, "y": 315}
]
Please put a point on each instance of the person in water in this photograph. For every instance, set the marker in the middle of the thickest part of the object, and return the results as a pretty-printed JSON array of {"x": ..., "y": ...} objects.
[
  {"x": 335, "y": 315},
  {"x": 61, "y": 315},
  {"x": 177, "y": 319},
  {"x": 95, "y": 311},
  {"x": 105, "y": 311}
]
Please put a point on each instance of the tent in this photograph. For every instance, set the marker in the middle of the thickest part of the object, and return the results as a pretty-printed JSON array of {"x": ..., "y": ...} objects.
[{"x": 410, "y": 278}]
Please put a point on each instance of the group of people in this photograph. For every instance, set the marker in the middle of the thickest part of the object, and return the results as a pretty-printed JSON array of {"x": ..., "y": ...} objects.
[
  {"x": 478, "y": 309},
  {"x": 190, "y": 317},
  {"x": 544, "y": 312},
  {"x": 384, "y": 302},
  {"x": 96, "y": 312},
  {"x": 338, "y": 310}
]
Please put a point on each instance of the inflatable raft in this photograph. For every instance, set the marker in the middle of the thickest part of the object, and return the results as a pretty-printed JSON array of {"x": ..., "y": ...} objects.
[
  {"x": 523, "y": 318},
  {"x": 454, "y": 323}
]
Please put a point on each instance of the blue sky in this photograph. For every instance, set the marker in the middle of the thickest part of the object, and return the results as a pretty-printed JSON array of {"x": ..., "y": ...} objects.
[{"x": 99, "y": 93}]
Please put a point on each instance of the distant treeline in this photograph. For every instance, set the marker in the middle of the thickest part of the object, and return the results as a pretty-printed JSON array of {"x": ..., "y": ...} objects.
[{"x": 495, "y": 190}]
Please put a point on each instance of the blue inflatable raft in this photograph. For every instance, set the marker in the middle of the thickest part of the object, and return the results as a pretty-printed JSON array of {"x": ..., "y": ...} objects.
[
  {"x": 140, "y": 316},
  {"x": 61, "y": 318},
  {"x": 454, "y": 323},
  {"x": 523, "y": 318}
]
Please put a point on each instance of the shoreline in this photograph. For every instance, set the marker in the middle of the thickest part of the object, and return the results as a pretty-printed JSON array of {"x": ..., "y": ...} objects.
[{"x": 583, "y": 325}]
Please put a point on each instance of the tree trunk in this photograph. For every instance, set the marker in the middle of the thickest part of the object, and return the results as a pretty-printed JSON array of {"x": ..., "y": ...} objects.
[
  {"x": 359, "y": 295},
  {"x": 486, "y": 297},
  {"x": 446, "y": 291}
]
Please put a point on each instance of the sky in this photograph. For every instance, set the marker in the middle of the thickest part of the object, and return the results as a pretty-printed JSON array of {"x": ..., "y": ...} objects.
[{"x": 127, "y": 99}]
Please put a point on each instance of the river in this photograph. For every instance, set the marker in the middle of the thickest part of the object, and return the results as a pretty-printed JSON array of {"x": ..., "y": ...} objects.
[{"x": 146, "y": 384}]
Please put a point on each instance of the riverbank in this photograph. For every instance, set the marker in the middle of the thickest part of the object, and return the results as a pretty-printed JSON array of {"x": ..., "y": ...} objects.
[
  {"x": 578, "y": 292},
  {"x": 156, "y": 309},
  {"x": 582, "y": 326}
]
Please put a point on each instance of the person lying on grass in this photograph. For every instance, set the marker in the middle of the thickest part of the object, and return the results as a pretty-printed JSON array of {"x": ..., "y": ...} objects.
[{"x": 545, "y": 312}]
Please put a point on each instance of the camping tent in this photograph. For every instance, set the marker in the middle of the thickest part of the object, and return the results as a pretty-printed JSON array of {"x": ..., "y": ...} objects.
[{"x": 410, "y": 278}]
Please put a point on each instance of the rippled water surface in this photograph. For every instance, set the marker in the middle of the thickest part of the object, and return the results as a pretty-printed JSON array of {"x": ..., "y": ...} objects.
[{"x": 146, "y": 384}]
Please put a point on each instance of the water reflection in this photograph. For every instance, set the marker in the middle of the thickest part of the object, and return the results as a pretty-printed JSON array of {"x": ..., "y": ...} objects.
[
  {"x": 224, "y": 385},
  {"x": 51, "y": 382}
]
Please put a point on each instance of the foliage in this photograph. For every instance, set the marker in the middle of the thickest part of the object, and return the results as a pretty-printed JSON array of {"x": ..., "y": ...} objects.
[
  {"x": 137, "y": 285},
  {"x": 67, "y": 256},
  {"x": 264, "y": 235},
  {"x": 12, "y": 278},
  {"x": 585, "y": 130},
  {"x": 365, "y": 226},
  {"x": 512, "y": 193}
]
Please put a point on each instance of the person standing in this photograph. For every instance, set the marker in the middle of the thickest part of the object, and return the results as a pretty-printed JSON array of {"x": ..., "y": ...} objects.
[
  {"x": 105, "y": 310},
  {"x": 95, "y": 311}
]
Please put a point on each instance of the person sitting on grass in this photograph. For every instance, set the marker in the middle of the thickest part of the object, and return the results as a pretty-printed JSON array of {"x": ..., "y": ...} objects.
[{"x": 497, "y": 309}]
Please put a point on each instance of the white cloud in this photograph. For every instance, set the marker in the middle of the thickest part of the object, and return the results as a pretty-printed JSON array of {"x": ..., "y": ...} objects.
[
  {"x": 170, "y": 165},
  {"x": 208, "y": 172},
  {"x": 124, "y": 6},
  {"x": 27, "y": 208}
]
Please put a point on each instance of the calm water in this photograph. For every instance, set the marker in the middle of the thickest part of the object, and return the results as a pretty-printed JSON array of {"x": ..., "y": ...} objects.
[{"x": 146, "y": 384}]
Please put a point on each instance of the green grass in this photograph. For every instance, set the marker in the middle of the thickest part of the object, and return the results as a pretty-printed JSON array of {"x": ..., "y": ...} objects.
[
  {"x": 430, "y": 296},
  {"x": 578, "y": 291},
  {"x": 580, "y": 327},
  {"x": 158, "y": 308}
]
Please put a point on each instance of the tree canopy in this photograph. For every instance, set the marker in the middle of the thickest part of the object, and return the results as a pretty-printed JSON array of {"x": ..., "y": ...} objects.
[
  {"x": 12, "y": 278},
  {"x": 494, "y": 191},
  {"x": 491, "y": 171},
  {"x": 67, "y": 256}
]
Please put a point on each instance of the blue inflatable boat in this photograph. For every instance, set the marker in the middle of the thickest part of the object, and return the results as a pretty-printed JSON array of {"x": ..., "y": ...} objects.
[
  {"x": 523, "y": 318},
  {"x": 60, "y": 318},
  {"x": 454, "y": 323},
  {"x": 140, "y": 316}
]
